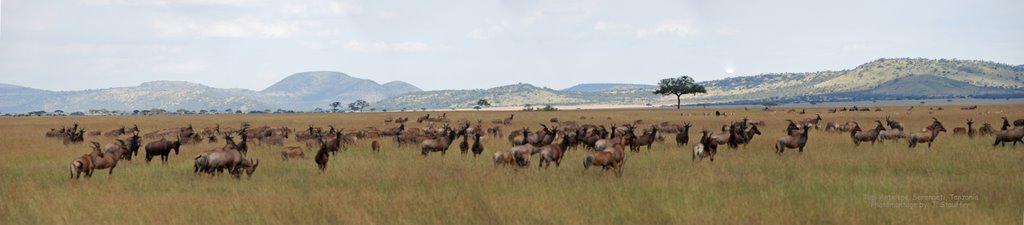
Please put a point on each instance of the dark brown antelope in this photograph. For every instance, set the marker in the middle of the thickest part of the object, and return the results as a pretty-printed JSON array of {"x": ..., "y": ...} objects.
[
  {"x": 74, "y": 136},
  {"x": 928, "y": 135},
  {"x": 969, "y": 131},
  {"x": 322, "y": 157},
  {"x": 422, "y": 118},
  {"x": 727, "y": 137},
  {"x": 292, "y": 152},
  {"x": 243, "y": 146},
  {"x": 891, "y": 134},
  {"x": 859, "y": 136},
  {"x": 133, "y": 143},
  {"x": 54, "y": 133},
  {"x": 439, "y": 144},
  {"x": 603, "y": 159},
  {"x": 792, "y": 141},
  {"x": 80, "y": 165},
  {"x": 647, "y": 138},
  {"x": 683, "y": 137},
  {"x": 893, "y": 124},
  {"x": 848, "y": 126},
  {"x": 464, "y": 145},
  {"x": 274, "y": 140},
  {"x": 334, "y": 145},
  {"x": 744, "y": 137},
  {"x": 215, "y": 161},
  {"x": 614, "y": 138},
  {"x": 495, "y": 131},
  {"x": 552, "y": 153},
  {"x": 1008, "y": 134},
  {"x": 521, "y": 137},
  {"x": 792, "y": 128},
  {"x": 162, "y": 148},
  {"x": 521, "y": 154},
  {"x": 107, "y": 159},
  {"x": 227, "y": 158},
  {"x": 503, "y": 158},
  {"x": 705, "y": 147},
  {"x": 618, "y": 153},
  {"x": 544, "y": 136},
  {"x": 986, "y": 129},
  {"x": 811, "y": 122},
  {"x": 116, "y": 132},
  {"x": 248, "y": 166},
  {"x": 477, "y": 148},
  {"x": 311, "y": 133},
  {"x": 375, "y": 146}
]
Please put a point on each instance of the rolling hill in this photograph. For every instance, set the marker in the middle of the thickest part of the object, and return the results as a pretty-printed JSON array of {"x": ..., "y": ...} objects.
[
  {"x": 509, "y": 95},
  {"x": 599, "y": 87},
  {"x": 318, "y": 89},
  {"x": 883, "y": 79},
  {"x": 302, "y": 91}
]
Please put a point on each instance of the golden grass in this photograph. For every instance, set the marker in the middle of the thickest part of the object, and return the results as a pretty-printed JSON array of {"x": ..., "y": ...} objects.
[{"x": 828, "y": 184}]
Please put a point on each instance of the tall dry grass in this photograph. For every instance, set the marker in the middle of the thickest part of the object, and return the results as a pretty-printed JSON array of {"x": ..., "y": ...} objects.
[{"x": 830, "y": 183}]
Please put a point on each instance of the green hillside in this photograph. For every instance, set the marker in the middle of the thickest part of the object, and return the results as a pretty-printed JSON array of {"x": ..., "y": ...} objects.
[{"x": 883, "y": 79}]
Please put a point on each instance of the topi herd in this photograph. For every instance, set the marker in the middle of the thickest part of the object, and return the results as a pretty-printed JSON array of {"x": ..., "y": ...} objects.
[{"x": 603, "y": 146}]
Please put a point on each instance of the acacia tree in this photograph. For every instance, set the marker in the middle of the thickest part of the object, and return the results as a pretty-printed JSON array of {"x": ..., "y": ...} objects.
[
  {"x": 358, "y": 105},
  {"x": 482, "y": 103},
  {"x": 679, "y": 86},
  {"x": 335, "y": 105}
]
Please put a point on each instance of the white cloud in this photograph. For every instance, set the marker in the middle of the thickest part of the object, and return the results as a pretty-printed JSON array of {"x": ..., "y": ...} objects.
[
  {"x": 185, "y": 67},
  {"x": 725, "y": 30},
  {"x": 103, "y": 2},
  {"x": 387, "y": 14},
  {"x": 243, "y": 27},
  {"x": 484, "y": 34},
  {"x": 294, "y": 9},
  {"x": 680, "y": 28},
  {"x": 561, "y": 11},
  {"x": 206, "y": 2},
  {"x": 345, "y": 8},
  {"x": 405, "y": 47},
  {"x": 172, "y": 2},
  {"x": 601, "y": 26}
]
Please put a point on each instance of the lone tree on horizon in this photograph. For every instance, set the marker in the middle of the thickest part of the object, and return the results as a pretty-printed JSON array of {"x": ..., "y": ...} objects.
[
  {"x": 335, "y": 105},
  {"x": 358, "y": 105},
  {"x": 482, "y": 103},
  {"x": 679, "y": 86}
]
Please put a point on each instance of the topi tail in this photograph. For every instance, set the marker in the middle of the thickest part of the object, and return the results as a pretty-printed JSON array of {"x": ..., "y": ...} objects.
[{"x": 74, "y": 164}]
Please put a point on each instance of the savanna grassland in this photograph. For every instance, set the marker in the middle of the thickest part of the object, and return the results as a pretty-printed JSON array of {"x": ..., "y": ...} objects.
[{"x": 832, "y": 182}]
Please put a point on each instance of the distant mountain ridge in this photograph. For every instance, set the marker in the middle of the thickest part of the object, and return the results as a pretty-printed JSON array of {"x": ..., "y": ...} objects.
[
  {"x": 901, "y": 76},
  {"x": 318, "y": 89},
  {"x": 883, "y": 79},
  {"x": 597, "y": 87},
  {"x": 302, "y": 91}
]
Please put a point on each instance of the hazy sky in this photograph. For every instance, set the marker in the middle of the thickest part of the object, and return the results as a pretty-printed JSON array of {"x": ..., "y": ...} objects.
[{"x": 74, "y": 45}]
